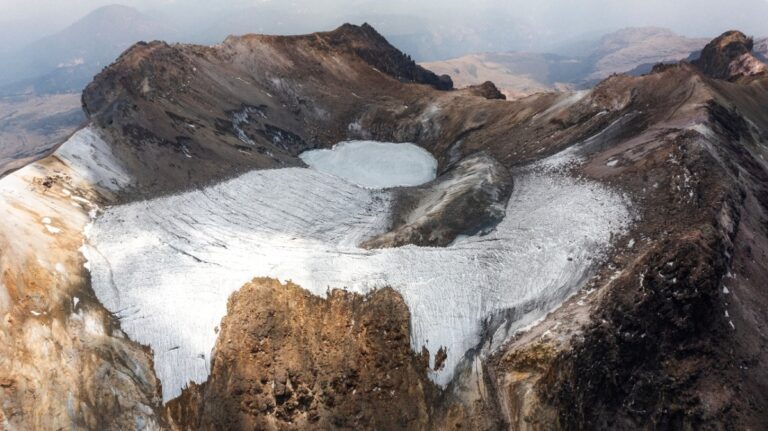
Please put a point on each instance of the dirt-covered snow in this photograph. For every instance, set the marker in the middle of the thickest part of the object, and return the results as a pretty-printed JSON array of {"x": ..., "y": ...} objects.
[{"x": 166, "y": 266}]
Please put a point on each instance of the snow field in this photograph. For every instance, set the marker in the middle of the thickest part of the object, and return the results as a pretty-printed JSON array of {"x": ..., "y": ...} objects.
[{"x": 166, "y": 266}]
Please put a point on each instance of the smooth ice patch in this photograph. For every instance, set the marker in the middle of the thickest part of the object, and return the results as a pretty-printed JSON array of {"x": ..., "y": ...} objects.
[
  {"x": 375, "y": 165},
  {"x": 166, "y": 266}
]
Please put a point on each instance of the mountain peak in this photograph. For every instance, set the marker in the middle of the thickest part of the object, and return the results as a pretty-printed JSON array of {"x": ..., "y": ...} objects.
[
  {"x": 366, "y": 43},
  {"x": 68, "y": 60},
  {"x": 113, "y": 9},
  {"x": 115, "y": 14},
  {"x": 373, "y": 48},
  {"x": 729, "y": 56}
]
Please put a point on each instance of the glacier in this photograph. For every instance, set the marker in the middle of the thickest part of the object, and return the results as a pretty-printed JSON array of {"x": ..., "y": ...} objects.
[{"x": 166, "y": 266}]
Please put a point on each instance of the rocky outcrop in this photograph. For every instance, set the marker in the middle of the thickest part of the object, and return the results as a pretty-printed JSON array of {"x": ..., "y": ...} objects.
[
  {"x": 288, "y": 360},
  {"x": 488, "y": 90},
  {"x": 469, "y": 199},
  {"x": 730, "y": 57}
]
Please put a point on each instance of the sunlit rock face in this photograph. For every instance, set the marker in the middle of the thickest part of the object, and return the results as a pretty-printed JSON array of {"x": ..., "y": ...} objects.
[
  {"x": 166, "y": 266},
  {"x": 63, "y": 364}
]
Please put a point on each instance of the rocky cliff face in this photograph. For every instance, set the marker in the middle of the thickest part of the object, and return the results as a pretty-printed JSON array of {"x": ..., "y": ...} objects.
[
  {"x": 730, "y": 57},
  {"x": 287, "y": 359},
  {"x": 666, "y": 331}
]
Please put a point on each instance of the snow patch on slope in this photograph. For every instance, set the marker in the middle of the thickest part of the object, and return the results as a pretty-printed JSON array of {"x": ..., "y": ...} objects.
[
  {"x": 375, "y": 165},
  {"x": 568, "y": 100},
  {"x": 166, "y": 266},
  {"x": 91, "y": 159},
  {"x": 39, "y": 202}
]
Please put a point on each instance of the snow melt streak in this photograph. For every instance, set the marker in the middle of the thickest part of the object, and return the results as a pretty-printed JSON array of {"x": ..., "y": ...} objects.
[{"x": 165, "y": 267}]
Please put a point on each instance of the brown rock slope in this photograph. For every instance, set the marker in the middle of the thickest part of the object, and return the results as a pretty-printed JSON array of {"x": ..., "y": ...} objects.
[
  {"x": 185, "y": 114},
  {"x": 288, "y": 360},
  {"x": 469, "y": 199},
  {"x": 677, "y": 336},
  {"x": 64, "y": 362}
]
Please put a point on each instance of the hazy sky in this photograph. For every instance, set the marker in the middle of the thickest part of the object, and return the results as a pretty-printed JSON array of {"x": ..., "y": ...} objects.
[{"x": 527, "y": 23}]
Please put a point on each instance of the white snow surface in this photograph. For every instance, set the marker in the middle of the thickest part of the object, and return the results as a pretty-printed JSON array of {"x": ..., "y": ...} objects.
[
  {"x": 166, "y": 266},
  {"x": 91, "y": 159},
  {"x": 375, "y": 165}
]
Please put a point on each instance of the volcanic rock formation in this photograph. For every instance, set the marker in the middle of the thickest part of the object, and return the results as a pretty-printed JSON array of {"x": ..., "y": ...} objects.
[
  {"x": 287, "y": 359},
  {"x": 657, "y": 322},
  {"x": 488, "y": 90},
  {"x": 730, "y": 57},
  {"x": 470, "y": 198}
]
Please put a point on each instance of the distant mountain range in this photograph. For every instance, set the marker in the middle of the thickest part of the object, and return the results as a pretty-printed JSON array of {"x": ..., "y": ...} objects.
[
  {"x": 68, "y": 60},
  {"x": 632, "y": 50}
]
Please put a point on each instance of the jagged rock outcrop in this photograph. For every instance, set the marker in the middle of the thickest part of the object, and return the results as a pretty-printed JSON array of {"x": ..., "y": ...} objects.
[
  {"x": 488, "y": 90},
  {"x": 469, "y": 199},
  {"x": 289, "y": 360},
  {"x": 730, "y": 57},
  {"x": 286, "y": 359}
]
